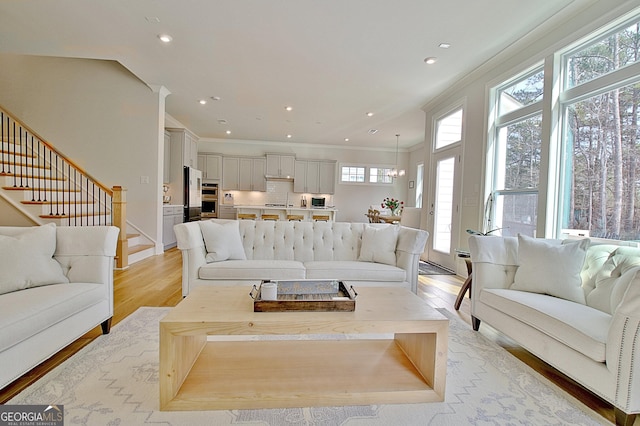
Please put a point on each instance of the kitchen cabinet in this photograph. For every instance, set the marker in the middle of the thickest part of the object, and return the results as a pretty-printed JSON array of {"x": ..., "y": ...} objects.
[
  {"x": 166, "y": 166},
  {"x": 184, "y": 146},
  {"x": 171, "y": 215},
  {"x": 280, "y": 165},
  {"x": 211, "y": 166},
  {"x": 314, "y": 176},
  {"x": 327, "y": 179},
  {"x": 226, "y": 212},
  {"x": 244, "y": 173}
]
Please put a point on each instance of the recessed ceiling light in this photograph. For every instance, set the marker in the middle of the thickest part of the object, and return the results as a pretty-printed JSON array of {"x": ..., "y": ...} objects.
[
  {"x": 289, "y": 136},
  {"x": 288, "y": 108},
  {"x": 369, "y": 114},
  {"x": 444, "y": 45},
  {"x": 228, "y": 132},
  {"x": 430, "y": 60},
  {"x": 165, "y": 38},
  {"x": 202, "y": 101},
  {"x": 346, "y": 139}
]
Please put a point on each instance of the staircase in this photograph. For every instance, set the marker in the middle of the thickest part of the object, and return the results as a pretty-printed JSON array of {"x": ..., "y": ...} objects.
[{"x": 46, "y": 186}]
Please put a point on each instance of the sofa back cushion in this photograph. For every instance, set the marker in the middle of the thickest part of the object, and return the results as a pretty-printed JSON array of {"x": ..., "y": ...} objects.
[
  {"x": 26, "y": 258},
  {"x": 301, "y": 241},
  {"x": 613, "y": 278}
]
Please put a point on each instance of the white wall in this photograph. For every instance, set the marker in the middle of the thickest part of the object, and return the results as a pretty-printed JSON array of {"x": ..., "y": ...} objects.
[
  {"x": 98, "y": 114},
  {"x": 473, "y": 90},
  {"x": 352, "y": 201}
]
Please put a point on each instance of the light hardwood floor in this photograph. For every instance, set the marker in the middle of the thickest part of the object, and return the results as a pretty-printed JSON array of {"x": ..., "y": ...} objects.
[{"x": 156, "y": 281}]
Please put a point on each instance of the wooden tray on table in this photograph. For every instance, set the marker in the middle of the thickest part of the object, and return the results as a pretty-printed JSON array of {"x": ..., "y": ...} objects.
[{"x": 306, "y": 299}]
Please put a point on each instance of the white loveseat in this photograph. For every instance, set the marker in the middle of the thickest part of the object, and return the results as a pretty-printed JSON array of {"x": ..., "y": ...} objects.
[
  {"x": 575, "y": 305},
  {"x": 56, "y": 283},
  {"x": 230, "y": 252}
]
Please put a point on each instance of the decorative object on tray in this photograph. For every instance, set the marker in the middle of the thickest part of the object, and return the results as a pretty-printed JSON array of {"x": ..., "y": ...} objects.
[
  {"x": 394, "y": 205},
  {"x": 303, "y": 295}
]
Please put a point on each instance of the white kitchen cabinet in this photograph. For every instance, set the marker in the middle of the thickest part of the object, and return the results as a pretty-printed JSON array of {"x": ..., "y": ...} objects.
[
  {"x": 211, "y": 166},
  {"x": 184, "y": 146},
  {"x": 280, "y": 165},
  {"x": 314, "y": 177},
  {"x": 166, "y": 166},
  {"x": 327, "y": 180},
  {"x": 244, "y": 173},
  {"x": 172, "y": 215},
  {"x": 230, "y": 172},
  {"x": 226, "y": 212}
]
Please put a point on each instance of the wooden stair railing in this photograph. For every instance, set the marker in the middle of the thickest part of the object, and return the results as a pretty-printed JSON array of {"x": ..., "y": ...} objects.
[{"x": 67, "y": 193}]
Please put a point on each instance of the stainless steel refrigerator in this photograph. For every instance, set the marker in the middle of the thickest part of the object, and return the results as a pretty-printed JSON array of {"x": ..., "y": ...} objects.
[{"x": 192, "y": 194}]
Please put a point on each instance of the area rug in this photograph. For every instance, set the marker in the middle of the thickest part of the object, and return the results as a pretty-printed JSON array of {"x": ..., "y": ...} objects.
[
  {"x": 426, "y": 268},
  {"x": 114, "y": 381}
]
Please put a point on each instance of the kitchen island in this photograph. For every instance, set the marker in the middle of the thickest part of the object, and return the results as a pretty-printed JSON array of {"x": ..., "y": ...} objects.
[{"x": 285, "y": 212}]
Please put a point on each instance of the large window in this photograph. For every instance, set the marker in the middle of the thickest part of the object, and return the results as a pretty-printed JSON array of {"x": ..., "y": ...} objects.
[
  {"x": 601, "y": 110},
  {"x": 585, "y": 148},
  {"x": 517, "y": 155}
]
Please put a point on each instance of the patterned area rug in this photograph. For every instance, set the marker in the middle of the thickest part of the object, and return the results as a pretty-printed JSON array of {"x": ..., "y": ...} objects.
[
  {"x": 114, "y": 381},
  {"x": 426, "y": 268}
]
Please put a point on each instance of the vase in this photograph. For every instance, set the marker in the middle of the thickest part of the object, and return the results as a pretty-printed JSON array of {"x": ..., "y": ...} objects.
[{"x": 395, "y": 212}]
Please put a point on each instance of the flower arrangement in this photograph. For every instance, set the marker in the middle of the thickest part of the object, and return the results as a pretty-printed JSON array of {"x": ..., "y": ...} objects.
[{"x": 392, "y": 204}]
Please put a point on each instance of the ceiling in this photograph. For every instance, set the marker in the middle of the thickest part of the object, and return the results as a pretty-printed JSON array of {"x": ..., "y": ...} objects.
[{"x": 332, "y": 61}]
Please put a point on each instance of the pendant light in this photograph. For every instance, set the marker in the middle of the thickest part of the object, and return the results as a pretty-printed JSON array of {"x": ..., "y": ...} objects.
[{"x": 395, "y": 172}]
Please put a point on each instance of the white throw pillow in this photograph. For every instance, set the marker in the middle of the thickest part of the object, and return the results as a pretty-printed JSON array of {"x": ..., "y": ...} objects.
[
  {"x": 222, "y": 241},
  {"x": 379, "y": 244},
  {"x": 548, "y": 267},
  {"x": 26, "y": 260}
]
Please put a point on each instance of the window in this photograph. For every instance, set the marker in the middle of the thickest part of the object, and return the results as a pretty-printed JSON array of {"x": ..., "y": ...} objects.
[
  {"x": 449, "y": 129},
  {"x": 419, "y": 184},
  {"x": 352, "y": 174},
  {"x": 517, "y": 155},
  {"x": 592, "y": 184},
  {"x": 601, "y": 137},
  {"x": 379, "y": 175}
]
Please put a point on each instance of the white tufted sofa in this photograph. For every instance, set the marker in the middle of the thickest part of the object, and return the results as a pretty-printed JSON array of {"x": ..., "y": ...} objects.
[
  {"x": 596, "y": 343},
  {"x": 299, "y": 250}
]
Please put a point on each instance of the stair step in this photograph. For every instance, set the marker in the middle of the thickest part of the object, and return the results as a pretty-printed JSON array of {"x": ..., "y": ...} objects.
[
  {"x": 32, "y": 176},
  {"x": 132, "y": 236},
  {"x": 28, "y": 188},
  {"x": 67, "y": 202},
  {"x": 7, "y": 153},
  {"x": 139, "y": 248},
  {"x": 72, "y": 216}
]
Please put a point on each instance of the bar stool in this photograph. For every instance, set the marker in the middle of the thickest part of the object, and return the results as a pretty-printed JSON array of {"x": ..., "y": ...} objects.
[
  {"x": 320, "y": 218},
  {"x": 251, "y": 216},
  {"x": 270, "y": 217},
  {"x": 297, "y": 217}
]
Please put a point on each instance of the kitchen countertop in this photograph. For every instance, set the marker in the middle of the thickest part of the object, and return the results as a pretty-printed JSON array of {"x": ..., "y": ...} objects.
[{"x": 333, "y": 209}]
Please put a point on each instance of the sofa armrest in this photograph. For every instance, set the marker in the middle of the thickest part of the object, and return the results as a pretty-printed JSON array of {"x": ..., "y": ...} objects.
[
  {"x": 191, "y": 244},
  {"x": 623, "y": 347},
  {"x": 411, "y": 243},
  {"x": 495, "y": 261},
  {"x": 86, "y": 252}
]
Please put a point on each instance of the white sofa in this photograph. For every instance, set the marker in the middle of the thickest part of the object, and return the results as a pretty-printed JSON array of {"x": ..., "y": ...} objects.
[
  {"x": 230, "y": 252},
  {"x": 575, "y": 305},
  {"x": 56, "y": 284}
]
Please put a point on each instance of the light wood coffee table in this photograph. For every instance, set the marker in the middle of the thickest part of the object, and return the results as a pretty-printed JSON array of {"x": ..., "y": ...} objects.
[{"x": 408, "y": 366}]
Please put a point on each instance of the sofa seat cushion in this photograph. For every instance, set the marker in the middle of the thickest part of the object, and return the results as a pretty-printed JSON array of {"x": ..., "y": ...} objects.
[
  {"x": 252, "y": 270},
  {"x": 354, "y": 271},
  {"x": 26, "y": 313},
  {"x": 578, "y": 326}
]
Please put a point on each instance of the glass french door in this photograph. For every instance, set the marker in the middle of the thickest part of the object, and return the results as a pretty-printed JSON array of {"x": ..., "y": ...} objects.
[{"x": 444, "y": 208}]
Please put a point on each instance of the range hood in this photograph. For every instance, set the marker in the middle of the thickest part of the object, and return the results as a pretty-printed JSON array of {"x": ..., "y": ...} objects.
[{"x": 279, "y": 178}]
